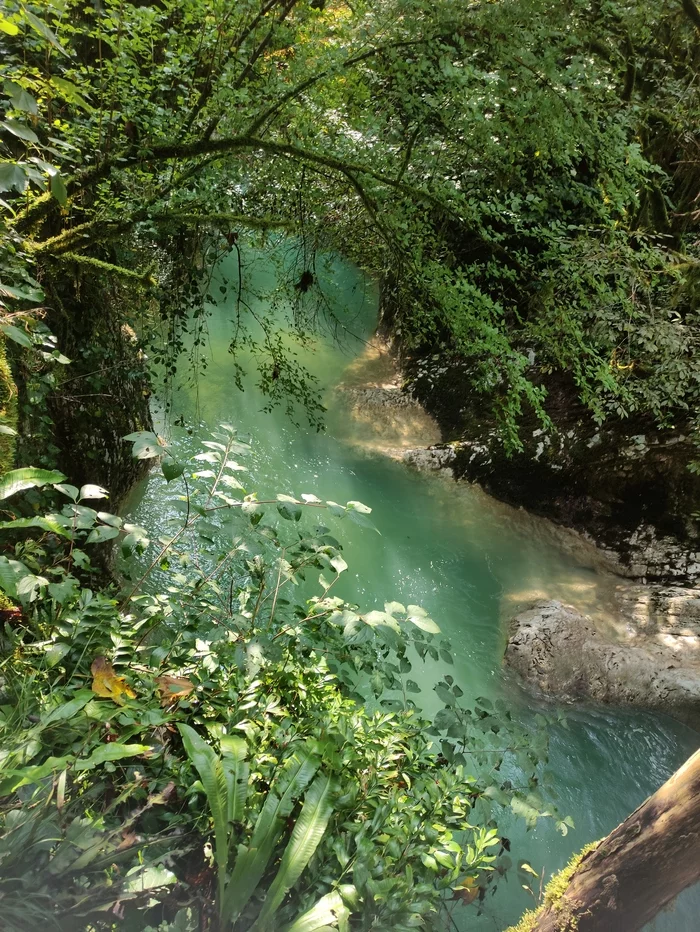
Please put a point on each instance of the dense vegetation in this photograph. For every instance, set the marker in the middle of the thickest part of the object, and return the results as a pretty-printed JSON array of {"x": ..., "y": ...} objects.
[{"x": 522, "y": 179}]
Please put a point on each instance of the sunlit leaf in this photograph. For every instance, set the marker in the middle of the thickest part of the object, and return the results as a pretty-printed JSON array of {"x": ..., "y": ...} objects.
[{"x": 106, "y": 683}]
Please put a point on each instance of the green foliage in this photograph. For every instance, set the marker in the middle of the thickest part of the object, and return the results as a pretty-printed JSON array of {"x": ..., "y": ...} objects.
[
  {"x": 520, "y": 176},
  {"x": 209, "y": 737}
]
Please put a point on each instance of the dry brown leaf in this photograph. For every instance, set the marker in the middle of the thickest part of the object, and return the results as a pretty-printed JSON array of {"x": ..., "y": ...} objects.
[
  {"x": 173, "y": 687},
  {"x": 105, "y": 682},
  {"x": 466, "y": 891}
]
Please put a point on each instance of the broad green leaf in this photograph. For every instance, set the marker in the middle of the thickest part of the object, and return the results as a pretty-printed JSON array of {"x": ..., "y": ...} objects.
[
  {"x": 288, "y": 507},
  {"x": 394, "y": 608},
  {"x": 8, "y": 27},
  {"x": 20, "y": 130},
  {"x": 55, "y": 524},
  {"x": 13, "y": 177},
  {"x": 17, "y": 480},
  {"x": 20, "y": 98},
  {"x": 146, "y": 445},
  {"x": 70, "y": 490},
  {"x": 326, "y": 914},
  {"x": 92, "y": 491},
  {"x": 375, "y": 619},
  {"x": 28, "y": 587},
  {"x": 64, "y": 590},
  {"x": 43, "y": 30},
  {"x": 308, "y": 831},
  {"x": 102, "y": 533},
  {"x": 148, "y": 877},
  {"x": 419, "y": 617},
  {"x": 338, "y": 564},
  {"x": 58, "y": 189},
  {"x": 252, "y": 860},
  {"x": 66, "y": 710},
  {"x": 25, "y": 293},
  {"x": 172, "y": 469},
  {"x": 70, "y": 93},
  {"x": 16, "y": 335},
  {"x": 213, "y": 778},
  {"x": 111, "y": 520},
  {"x": 109, "y": 752}
]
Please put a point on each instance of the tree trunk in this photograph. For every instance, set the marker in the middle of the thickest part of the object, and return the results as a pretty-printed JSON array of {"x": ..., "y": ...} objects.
[{"x": 640, "y": 867}]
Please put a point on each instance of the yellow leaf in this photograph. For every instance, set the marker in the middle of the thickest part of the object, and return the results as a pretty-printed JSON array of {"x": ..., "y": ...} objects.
[
  {"x": 105, "y": 682},
  {"x": 466, "y": 891}
]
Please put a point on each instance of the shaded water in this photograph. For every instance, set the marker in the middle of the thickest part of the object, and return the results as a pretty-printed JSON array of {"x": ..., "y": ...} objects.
[{"x": 467, "y": 559}]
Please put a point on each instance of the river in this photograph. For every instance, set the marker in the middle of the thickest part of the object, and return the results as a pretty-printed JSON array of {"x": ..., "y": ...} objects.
[{"x": 469, "y": 560}]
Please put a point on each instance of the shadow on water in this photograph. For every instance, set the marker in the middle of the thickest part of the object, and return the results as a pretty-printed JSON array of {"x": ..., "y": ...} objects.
[{"x": 467, "y": 559}]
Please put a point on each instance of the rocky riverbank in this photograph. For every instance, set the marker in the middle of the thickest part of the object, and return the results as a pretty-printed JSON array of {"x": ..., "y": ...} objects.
[{"x": 625, "y": 498}]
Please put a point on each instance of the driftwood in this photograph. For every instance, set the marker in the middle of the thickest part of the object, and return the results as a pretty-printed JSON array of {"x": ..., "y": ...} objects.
[{"x": 638, "y": 869}]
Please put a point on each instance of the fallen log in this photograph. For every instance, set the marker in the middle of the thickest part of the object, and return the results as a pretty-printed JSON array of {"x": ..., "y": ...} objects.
[{"x": 623, "y": 881}]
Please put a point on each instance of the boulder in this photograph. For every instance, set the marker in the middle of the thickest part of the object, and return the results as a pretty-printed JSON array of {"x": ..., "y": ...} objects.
[{"x": 561, "y": 652}]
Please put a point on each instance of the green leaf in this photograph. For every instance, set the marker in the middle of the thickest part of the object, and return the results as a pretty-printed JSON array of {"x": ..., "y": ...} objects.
[
  {"x": 213, "y": 778},
  {"x": 13, "y": 177},
  {"x": 394, "y": 608},
  {"x": 20, "y": 130},
  {"x": 418, "y": 616},
  {"x": 326, "y": 914},
  {"x": 71, "y": 93},
  {"x": 148, "y": 877},
  {"x": 43, "y": 30},
  {"x": 15, "y": 334},
  {"x": 29, "y": 775},
  {"x": 58, "y": 189},
  {"x": 8, "y": 27},
  {"x": 252, "y": 861},
  {"x": 67, "y": 710},
  {"x": 234, "y": 752},
  {"x": 288, "y": 507},
  {"x": 92, "y": 491},
  {"x": 22, "y": 294},
  {"x": 109, "y": 752},
  {"x": 28, "y": 587},
  {"x": 62, "y": 591},
  {"x": 55, "y": 524},
  {"x": 172, "y": 469},
  {"x": 21, "y": 99},
  {"x": 102, "y": 533},
  {"x": 70, "y": 491},
  {"x": 338, "y": 564},
  {"x": 359, "y": 507},
  {"x": 146, "y": 445},
  {"x": 17, "y": 480},
  {"x": 308, "y": 831}
]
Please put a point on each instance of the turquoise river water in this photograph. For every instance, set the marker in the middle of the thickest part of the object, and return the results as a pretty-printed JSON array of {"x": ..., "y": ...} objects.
[{"x": 467, "y": 559}]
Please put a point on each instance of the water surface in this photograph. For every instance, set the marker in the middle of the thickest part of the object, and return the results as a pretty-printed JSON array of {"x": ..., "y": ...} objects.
[{"x": 470, "y": 561}]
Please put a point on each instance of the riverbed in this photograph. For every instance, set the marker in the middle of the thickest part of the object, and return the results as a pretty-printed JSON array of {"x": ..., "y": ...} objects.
[{"x": 470, "y": 561}]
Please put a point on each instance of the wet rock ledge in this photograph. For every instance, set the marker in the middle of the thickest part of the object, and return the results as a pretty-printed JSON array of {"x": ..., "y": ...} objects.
[{"x": 655, "y": 666}]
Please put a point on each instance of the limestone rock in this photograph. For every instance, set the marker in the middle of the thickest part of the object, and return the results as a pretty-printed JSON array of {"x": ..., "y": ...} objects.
[{"x": 558, "y": 650}]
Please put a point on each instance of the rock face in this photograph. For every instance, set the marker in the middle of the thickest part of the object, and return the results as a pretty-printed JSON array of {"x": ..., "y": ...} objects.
[
  {"x": 657, "y": 666},
  {"x": 625, "y": 485}
]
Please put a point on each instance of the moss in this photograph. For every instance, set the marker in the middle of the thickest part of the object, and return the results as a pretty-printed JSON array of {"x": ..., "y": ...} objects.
[
  {"x": 8, "y": 411},
  {"x": 553, "y": 892},
  {"x": 6, "y": 604}
]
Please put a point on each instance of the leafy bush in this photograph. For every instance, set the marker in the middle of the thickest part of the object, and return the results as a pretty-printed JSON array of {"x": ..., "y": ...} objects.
[{"x": 230, "y": 745}]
